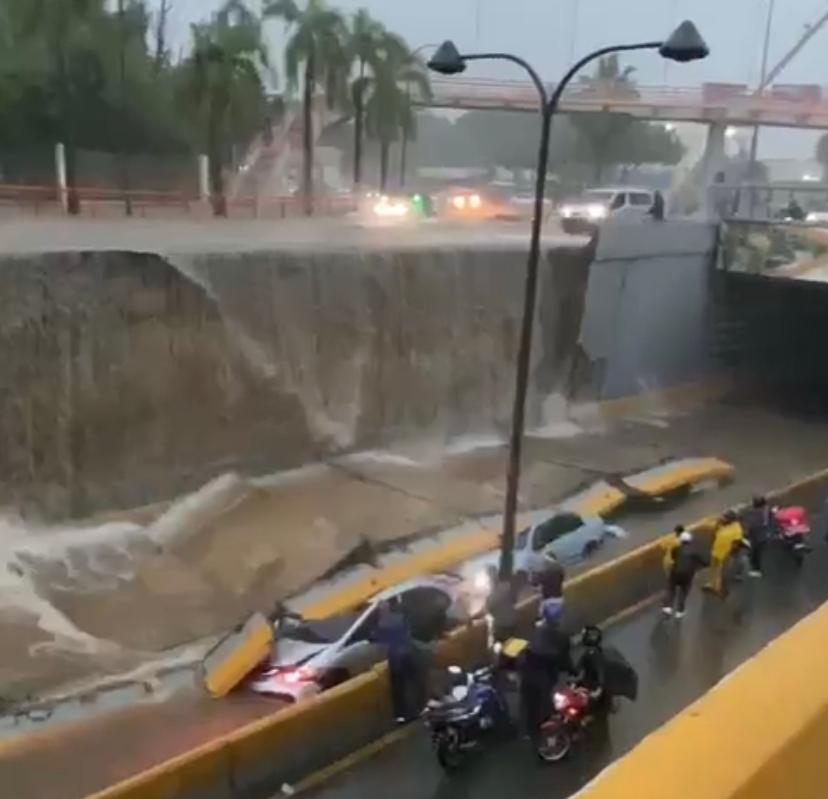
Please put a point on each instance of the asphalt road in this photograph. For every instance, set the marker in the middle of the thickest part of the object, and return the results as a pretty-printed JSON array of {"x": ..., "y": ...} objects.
[{"x": 677, "y": 661}]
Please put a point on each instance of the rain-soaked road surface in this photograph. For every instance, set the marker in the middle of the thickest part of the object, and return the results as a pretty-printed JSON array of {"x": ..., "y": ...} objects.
[{"x": 677, "y": 662}]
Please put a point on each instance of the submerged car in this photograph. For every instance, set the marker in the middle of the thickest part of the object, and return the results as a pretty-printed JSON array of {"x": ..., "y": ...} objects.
[
  {"x": 568, "y": 536},
  {"x": 585, "y": 213},
  {"x": 311, "y": 655}
]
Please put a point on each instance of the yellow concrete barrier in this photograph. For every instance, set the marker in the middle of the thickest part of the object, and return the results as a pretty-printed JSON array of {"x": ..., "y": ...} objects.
[
  {"x": 684, "y": 473},
  {"x": 760, "y": 734}
]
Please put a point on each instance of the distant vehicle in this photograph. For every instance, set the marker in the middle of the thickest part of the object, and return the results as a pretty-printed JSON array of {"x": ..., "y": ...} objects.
[
  {"x": 467, "y": 203},
  {"x": 584, "y": 213},
  {"x": 817, "y": 217},
  {"x": 568, "y": 536},
  {"x": 310, "y": 656}
]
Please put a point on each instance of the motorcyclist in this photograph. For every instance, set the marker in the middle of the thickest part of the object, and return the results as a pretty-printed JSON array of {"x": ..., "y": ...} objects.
[
  {"x": 591, "y": 669},
  {"x": 757, "y": 522},
  {"x": 727, "y": 533},
  {"x": 547, "y": 655}
]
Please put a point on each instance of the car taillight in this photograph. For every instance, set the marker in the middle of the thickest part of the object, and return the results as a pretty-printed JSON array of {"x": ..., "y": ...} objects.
[{"x": 298, "y": 674}]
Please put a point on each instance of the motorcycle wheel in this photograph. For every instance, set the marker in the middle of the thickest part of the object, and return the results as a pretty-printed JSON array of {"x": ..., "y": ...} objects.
[
  {"x": 554, "y": 746},
  {"x": 449, "y": 754}
]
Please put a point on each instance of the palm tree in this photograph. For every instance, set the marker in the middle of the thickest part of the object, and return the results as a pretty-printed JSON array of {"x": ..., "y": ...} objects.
[
  {"x": 58, "y": 25},
  {"x": 366, "y": 38},
  {"x": 603, "y": 131},
  {"x": 223, "y": 77},
  {"x": 319, "y": 42},
  {"x": 389, "y": 109}
]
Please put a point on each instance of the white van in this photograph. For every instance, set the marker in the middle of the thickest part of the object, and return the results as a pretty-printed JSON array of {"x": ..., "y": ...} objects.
[{"x": 582, "y": 214}]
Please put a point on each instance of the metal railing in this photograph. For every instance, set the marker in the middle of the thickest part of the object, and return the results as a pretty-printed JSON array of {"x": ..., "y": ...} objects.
[{"x": 707, "y": 101}]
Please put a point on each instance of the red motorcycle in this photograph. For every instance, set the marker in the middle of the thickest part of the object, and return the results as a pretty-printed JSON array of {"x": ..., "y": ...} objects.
[
  {"x": 566, "y": 725},
  {"x": 792, "y": 529}
]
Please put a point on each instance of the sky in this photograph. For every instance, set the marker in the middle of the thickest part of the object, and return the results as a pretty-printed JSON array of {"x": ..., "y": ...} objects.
[{"x": 551, "y": 33}]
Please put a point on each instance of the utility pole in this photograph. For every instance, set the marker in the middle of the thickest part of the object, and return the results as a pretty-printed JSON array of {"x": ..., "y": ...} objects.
[
  {"x": 122, "y": 66},
  {"x": 754, "y": 142}
]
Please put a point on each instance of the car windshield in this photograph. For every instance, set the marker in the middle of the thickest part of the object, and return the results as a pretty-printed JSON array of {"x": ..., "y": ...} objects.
[
  {"x": 597, "y": 196},
  {"x": 321, "y": 631}
]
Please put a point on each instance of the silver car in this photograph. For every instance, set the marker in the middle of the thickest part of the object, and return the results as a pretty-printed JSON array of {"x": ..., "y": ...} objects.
[
  {"x": 568, "y": 536},
  {"x": 310, "y": 656}
]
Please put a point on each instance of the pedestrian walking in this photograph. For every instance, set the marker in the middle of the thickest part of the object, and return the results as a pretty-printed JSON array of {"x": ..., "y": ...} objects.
[
  {"x": 682, "y": 561},
  {"x": 729, "y": 531}
]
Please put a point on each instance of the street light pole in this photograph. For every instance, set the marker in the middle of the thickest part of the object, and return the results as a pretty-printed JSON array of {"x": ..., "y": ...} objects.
[
  {"x": 685, "y": 44},
  {"x": 404, "y": 144},
  {"x": 754, "y": 142}
]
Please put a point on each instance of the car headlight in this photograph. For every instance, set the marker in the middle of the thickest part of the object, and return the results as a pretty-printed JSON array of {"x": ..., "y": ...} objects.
[
  {"x": 475, "y": 201},
  {"x": 560, "y": 701},
  {"x": 596, "y": 211},
  {"x": 567, "y": 212},
  {"x": 387, "y": 207},
  {"x": 459, "y": 202}
]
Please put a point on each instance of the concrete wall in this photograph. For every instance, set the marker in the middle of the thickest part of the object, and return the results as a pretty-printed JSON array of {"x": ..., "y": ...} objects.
[
  {"x": 646, "y": 318},
  {"x": 130, "y": 377}
]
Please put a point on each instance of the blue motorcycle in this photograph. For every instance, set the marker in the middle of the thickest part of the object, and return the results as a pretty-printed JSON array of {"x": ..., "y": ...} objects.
[{"x": 472, "y": 711}]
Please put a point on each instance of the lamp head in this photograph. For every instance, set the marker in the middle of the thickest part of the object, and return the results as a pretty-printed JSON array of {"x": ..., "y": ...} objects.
[
  {"x": 447, "y": 59},
  {"x": 684, "y": 44}
]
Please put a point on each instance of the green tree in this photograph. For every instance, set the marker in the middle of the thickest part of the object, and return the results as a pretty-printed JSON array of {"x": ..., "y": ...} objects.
[
  {"x": 600, "y": 134},
  {"x": 61, "y": 30},
  {"x": 365, "y": 43},
  {"x": 319, "y": 43},
  {"x": 389, "y": 111},
  {"x": 223, "y": 82}
]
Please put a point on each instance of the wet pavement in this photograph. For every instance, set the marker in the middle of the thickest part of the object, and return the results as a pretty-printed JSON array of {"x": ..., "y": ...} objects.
[{"x": 677, "y": 662}]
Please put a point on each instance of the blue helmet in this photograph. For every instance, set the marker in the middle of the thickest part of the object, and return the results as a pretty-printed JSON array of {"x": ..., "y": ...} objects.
[{"x": 551, "y": 609}]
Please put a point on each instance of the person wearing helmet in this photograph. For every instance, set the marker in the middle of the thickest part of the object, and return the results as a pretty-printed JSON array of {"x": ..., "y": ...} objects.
[
  {"x": 728, "y": 532},
  {"x": 682, "y": 561},
  {"x": 757, "y": 523},
  {"x": 592, "y": 667},
  {"x": 551, "y": 577},
  {"x": 547, "y": 655}
]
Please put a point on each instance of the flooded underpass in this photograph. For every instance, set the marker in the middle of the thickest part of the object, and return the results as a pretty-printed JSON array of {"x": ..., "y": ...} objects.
[{"x": 309, "y": 446}]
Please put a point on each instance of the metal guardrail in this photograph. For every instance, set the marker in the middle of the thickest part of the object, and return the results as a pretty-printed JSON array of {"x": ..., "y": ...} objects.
[{"x": 107, "y": 201}]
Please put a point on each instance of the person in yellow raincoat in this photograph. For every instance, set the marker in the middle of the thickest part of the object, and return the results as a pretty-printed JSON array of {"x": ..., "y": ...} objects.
[{"x": 727, "y": 534}]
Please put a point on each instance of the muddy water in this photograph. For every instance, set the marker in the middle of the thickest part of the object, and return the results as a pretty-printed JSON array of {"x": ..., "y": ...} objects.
[{"x": 83, "y": 603}]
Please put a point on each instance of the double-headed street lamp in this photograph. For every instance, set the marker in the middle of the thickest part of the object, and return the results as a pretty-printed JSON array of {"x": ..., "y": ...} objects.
[{"x": 684, "y": 44}]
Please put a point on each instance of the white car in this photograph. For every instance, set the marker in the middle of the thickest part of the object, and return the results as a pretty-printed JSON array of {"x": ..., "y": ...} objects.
[
  {"x": 584, "y": 213},
  {"x": 310, "y": 656},
  {"x": 568, "y": 536}
]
